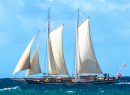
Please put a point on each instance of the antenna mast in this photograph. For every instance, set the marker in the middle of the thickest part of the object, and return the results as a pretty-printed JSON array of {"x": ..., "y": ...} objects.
[{"x": 77, "y": 44}]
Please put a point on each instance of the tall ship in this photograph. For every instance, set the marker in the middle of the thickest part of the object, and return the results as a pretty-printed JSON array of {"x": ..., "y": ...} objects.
[{"x": 87, "y": 69}]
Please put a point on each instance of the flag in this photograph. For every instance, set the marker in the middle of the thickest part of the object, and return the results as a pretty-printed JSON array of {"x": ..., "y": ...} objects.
[
  {"x": 124, "y": 64},
  {"x": 120, "y": 75}
]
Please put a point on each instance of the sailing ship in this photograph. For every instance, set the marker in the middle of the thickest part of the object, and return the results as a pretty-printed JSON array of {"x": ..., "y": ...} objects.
[{"x": 86, "y": 61}]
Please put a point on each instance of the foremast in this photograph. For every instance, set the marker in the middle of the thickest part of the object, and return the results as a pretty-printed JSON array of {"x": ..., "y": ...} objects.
[{"x": 76, "y": 74}]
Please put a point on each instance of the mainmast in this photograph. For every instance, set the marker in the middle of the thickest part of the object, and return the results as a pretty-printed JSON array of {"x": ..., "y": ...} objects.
[
  {"x": 47, "y": 43},
  {"x": 76, "y": 75}
]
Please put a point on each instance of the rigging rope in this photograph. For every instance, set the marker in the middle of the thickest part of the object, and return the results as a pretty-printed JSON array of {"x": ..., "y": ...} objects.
[
  {"x": 82, "y": 16},
  {"x": 42, "y": 26},
  {"x": 64, "y": 14}
]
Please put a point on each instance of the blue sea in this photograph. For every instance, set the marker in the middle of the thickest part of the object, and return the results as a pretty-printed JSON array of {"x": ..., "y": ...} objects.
[{"x": 11, "y": 87}]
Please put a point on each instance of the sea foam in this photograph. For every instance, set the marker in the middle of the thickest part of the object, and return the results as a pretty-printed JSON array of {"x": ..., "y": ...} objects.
[
  {"x": 10, "y": 88},
  {"x": 123, "y": 83}
]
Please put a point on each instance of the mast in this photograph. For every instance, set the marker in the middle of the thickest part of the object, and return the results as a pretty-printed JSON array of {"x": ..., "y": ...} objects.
[
  {"x": 77, "y": 44},
  {"x": 47, "y": 44}
]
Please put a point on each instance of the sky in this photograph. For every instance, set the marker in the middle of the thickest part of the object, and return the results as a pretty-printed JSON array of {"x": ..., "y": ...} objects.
[{"x": 109, "y": 23}]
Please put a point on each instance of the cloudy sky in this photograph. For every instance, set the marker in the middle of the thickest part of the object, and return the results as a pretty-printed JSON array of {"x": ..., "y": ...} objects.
[{"x": 109, "y": 22}]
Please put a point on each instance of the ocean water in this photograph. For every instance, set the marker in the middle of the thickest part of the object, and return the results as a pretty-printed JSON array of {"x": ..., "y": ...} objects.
[{"x": 11, "y": 87}]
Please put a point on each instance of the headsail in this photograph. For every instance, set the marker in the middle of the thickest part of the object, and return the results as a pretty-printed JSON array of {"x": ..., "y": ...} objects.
[
  {"x": 24, "y": 62},
  {"x": 35, "y": 66},
  {"x": 56, "y": 58},
  {"x": 87, "y": 60}
]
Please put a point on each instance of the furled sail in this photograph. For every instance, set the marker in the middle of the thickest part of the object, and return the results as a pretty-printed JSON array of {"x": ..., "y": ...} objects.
[
  {"x": 56, "y": 59},
  {"x": 35, "y": 66},
  {"x": 87, "y": 60},
  {"x": 24, "y": 62}
]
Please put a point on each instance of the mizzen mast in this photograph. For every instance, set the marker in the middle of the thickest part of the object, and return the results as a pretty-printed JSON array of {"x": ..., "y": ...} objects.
[
  {"x": 47, "y": 44},
  {"x": 76, "y": 75}
]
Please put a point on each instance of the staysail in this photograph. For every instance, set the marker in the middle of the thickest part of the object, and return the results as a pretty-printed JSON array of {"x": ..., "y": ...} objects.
[
  {"x": 35, "y": 66},
  {"x": 87, "y": 60},
  {"x": 56, "y": 59},
  {"x": 24, "y": 62}
]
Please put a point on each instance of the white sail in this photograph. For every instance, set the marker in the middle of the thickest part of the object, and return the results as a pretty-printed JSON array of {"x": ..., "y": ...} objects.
[
  {"x": 56, "y": 60},
  {"x": 24, "y": 62},
  {"x": 87, "y": 60},
  {"x": 35, "y": 66}
]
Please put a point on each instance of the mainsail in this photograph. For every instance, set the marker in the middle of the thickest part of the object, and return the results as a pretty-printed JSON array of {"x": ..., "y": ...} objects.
[
  {"x": 56, "y": 59},
  {"x": 35, "y": 66},
  {"x": 87, "y": 62},
  {"x": 24, "y": 62}
]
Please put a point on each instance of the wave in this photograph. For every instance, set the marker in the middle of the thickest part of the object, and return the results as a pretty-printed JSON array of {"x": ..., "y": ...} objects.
[
  {"x": 10, "y": 88},
  {"x": 123, "y": 83},
  {"x": 70, "y": 92}
]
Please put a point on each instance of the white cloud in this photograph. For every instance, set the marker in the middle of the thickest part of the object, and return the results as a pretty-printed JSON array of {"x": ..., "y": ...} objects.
[
  {"x": 2, "y": 15},
  {"x": 102, "y": 0},
  {"x": 43, "y": 6},
  {"x": 82, "y": 5},
  {"x": 11, "y": 8},
  {"x": 0, "y": 7},
  {"x": 87, "y": 6},
  {"x": 113, "y": 6},
  {"x": 20, "y": 3},
  {"x": 29, "y": 25},
  {"x": 1, "y": 10},
  {"x": 49, "y": 0},
  {"x": 99, "y": 5}
]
